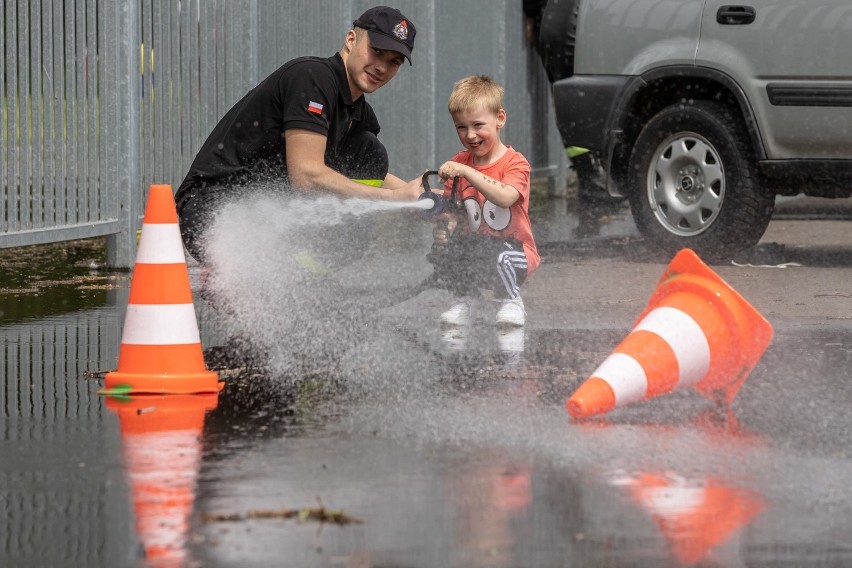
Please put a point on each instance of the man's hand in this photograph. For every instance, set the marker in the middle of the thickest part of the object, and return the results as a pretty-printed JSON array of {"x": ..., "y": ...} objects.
[
  {"x": 401, "y": 190},
  {"x": 410, "y": 191}
]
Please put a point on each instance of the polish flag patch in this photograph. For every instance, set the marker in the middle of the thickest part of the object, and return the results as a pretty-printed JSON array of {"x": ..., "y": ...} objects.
[{"x": 315, "y": 108}]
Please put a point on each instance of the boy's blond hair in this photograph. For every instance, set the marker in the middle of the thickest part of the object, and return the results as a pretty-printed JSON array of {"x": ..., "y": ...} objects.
[{"x": 470, "y": 92}]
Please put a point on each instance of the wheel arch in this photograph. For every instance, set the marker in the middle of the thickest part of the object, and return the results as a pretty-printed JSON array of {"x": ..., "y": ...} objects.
[{"x": 663, "y": 87}]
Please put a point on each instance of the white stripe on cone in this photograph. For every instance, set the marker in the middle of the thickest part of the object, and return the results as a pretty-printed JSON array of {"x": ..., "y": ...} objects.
[
  {"x": 160, "y": 244},
  {"x": 686, "y": 339},
  {"x": 626, "y": 376},
  {"x": 674, "y": 500},
  {"x": 160, "y": 324}
]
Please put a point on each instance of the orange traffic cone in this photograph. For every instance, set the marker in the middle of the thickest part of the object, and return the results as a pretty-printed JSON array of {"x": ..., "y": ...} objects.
[
  {"x": 695, "y": 331},
  {"x": 160, "y": 344},
  {"x": 161, "y": 451}
]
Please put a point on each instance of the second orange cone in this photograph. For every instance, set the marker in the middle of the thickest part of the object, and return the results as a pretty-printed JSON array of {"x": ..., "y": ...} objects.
[
  {"x": 695, "y": 331},
  {"x": 160, "y": 345}
]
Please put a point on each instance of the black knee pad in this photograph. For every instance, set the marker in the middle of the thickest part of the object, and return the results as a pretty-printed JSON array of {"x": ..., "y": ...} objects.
[
  {"x": 195, "y": 211},
  {"x": 362, "y": 156}
]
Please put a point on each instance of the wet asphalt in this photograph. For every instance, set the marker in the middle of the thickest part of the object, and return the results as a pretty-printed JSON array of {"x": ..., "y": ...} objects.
[{"x": 412, "y": 445}]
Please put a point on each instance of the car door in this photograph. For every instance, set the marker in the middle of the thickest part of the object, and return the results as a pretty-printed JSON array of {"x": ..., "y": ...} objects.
[{"x": 792, "y": 60}]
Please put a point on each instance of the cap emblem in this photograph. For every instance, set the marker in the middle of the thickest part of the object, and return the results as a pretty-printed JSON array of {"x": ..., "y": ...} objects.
[{"x": 401, "y": 30}]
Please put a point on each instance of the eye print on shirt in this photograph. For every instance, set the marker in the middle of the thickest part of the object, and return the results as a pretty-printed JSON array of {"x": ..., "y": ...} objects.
[
  {"x": 474, "y": 214},
  {"x": 498, "y": 218}
]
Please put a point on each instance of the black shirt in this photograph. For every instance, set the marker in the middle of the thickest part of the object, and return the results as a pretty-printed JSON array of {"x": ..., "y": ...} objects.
[{"x": 247, "y": 145}]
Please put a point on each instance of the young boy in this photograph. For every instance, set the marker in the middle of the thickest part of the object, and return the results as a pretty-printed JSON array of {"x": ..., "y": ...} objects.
[{"x": 489, "y": 242}]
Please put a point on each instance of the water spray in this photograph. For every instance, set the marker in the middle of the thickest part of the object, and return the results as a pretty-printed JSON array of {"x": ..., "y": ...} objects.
[{"x": 314, "y": 281}]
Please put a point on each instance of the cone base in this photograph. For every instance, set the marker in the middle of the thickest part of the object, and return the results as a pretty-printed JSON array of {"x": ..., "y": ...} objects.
[
  {"x": 119, "y": 383},
  {"x": 750, "y": 333}
]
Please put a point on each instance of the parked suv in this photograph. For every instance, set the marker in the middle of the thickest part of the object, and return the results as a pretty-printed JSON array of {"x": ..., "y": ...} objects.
[{"x": 702, "y": 112}]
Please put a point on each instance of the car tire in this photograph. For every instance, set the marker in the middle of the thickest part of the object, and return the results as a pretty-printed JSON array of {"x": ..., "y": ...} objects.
[
  {"x": 692, "y": 183},
  {"x": 557, "y": 38}
]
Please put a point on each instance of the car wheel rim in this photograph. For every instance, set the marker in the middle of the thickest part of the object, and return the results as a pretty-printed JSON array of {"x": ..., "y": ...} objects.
[{"x": 686, "y": 184}]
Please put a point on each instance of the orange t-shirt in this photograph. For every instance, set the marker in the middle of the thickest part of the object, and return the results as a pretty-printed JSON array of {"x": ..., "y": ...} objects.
[{"x": 487, "y": 218}]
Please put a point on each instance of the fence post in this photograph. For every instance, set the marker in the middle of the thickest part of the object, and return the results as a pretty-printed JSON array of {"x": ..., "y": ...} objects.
[
  {"x": 252, "y": 27},
  {"x": 124, "y": 147}
]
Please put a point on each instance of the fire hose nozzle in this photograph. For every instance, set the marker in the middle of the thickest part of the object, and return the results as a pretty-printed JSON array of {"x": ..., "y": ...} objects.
[{"x": 440, "y": 204}]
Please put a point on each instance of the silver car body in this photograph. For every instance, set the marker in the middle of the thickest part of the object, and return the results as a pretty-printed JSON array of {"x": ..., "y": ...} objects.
[{"x": 797, "y": 52}]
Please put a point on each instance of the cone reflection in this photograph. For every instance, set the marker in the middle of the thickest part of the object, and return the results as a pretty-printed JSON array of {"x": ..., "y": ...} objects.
[
  {"x": 162, "y": 454},
  {"x": 694, "y": 515},
  {"x": 486, "y": 499}
]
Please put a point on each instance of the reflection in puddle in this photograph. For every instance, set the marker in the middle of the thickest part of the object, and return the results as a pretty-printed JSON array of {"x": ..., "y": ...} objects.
[
  {"x": 695, "y": 515},
  {"x": 162, "y": 454},
  {"x": 506, "y": 342},
  {"x": 485, "y": 500}
]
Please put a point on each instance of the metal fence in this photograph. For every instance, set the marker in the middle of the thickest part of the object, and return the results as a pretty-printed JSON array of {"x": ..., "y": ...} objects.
[{"x": 100, "y": 99}]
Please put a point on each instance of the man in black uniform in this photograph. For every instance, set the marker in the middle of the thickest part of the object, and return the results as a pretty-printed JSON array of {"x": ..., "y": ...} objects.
[{"x": 308, "y": 126}]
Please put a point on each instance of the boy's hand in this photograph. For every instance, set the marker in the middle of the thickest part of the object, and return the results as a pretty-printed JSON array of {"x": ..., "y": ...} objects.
[
  {"x": 452, "y": 169},
  {"x": 445, "y": 224}
]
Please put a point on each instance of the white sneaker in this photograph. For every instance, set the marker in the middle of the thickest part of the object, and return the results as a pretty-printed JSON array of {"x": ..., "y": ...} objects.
[
  {"x": 512, "y": 312},
  {"x": 460, "y": 313}
]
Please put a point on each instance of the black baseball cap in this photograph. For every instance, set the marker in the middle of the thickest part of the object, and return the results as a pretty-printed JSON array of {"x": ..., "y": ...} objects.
[{"x": 388, "y": 29}]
